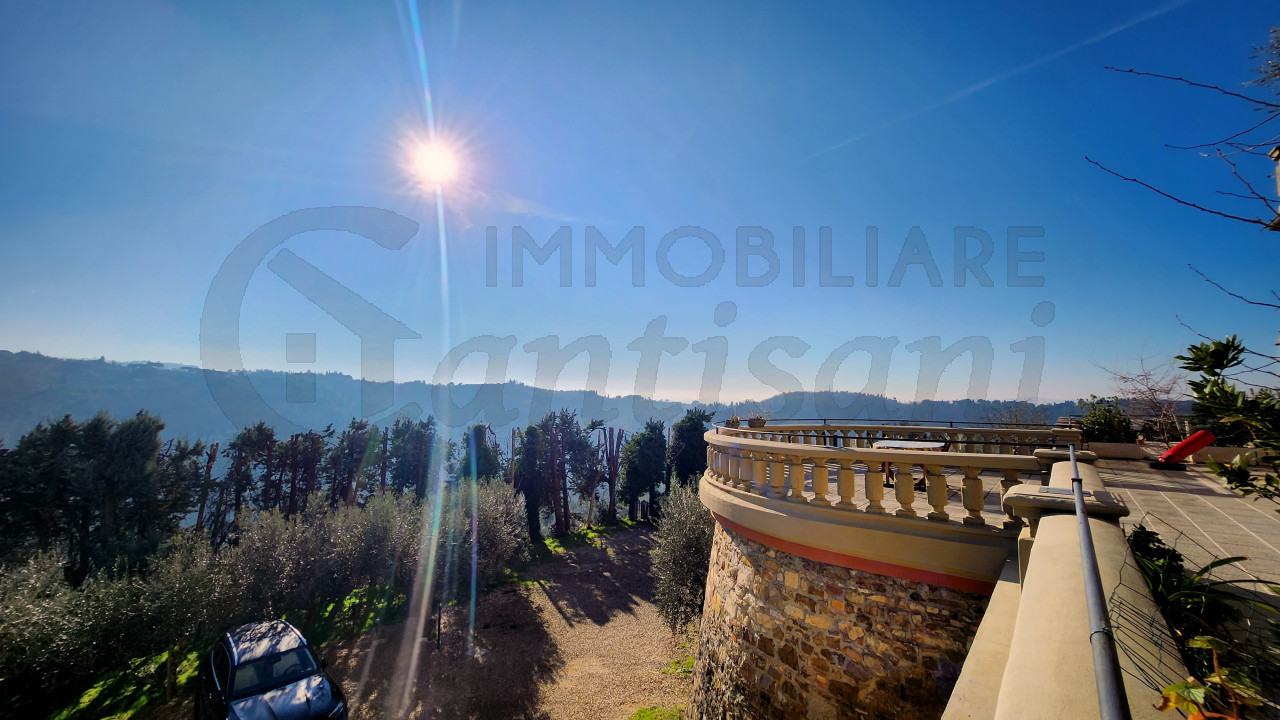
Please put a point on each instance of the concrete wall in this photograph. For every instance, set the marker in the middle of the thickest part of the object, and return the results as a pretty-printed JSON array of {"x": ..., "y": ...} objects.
[{"x": 788, "y": 637}]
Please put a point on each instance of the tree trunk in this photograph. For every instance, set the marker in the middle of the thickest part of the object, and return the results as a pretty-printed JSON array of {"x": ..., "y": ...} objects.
[
  {"x": 633, "y": 509},
  {"x": 532, "y": 515},
  {"x": 175, "y": 656},
  {"x": 206, "y": 485},
  {"x": 268, "y": 477},
  {"x": 613, "y": 438},
  {"x": 386, "y": 457},
  {"x": 553, "y": 470},
  {"x": 564, "y": 496}
]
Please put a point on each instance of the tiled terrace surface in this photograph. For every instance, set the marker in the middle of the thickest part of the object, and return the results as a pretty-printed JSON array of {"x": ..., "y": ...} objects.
[
  {"x": 1215, "y": 522},
  {"x": 1203, "y": 520}
]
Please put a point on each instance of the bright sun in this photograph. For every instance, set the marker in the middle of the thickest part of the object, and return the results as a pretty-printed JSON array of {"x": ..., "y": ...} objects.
[{"x": 436, "y": 164}]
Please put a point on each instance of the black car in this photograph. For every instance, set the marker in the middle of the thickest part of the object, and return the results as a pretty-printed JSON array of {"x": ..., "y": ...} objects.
[{"x": 266, "y": 671}]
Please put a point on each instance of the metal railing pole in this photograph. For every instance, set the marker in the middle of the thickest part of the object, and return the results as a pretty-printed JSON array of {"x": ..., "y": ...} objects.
[{"x": 1112, "y": 703}]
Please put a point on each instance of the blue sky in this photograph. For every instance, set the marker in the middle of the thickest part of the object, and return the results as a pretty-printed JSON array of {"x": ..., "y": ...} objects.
[{"x": 143, "y": 142}]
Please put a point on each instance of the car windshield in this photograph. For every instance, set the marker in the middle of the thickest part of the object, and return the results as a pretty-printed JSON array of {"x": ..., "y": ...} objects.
[{"x": 273, "y": 671}]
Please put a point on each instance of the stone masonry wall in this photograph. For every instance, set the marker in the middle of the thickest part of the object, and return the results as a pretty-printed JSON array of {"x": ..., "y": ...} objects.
[{"x": 787, "y": 637}]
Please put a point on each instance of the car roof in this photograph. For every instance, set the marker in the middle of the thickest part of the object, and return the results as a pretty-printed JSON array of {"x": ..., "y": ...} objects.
[{"x": 255, "y": 640}]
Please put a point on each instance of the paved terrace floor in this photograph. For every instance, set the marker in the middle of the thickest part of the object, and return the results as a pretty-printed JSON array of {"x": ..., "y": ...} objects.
[
  {"x": 1202, "y": 519},
  {"x": 1198, "y": 516}
]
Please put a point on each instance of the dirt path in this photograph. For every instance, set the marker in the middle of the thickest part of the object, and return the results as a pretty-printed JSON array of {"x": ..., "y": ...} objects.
[{"x": 580, "y": 638}]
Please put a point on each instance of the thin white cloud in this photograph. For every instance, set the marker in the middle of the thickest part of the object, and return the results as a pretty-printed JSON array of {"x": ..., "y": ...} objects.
[
  {"x": 1001, "y": 77},
  {"x": 513, "y": 205}
]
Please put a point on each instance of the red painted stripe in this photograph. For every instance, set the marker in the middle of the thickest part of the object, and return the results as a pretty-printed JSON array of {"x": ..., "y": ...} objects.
[{"x": 955, "y": 582}]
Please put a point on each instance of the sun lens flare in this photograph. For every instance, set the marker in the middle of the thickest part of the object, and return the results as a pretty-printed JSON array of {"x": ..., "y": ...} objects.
[{"x": 436, "y": 164}]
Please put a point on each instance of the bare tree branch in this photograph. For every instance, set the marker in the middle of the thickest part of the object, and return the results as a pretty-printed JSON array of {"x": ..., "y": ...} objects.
[
  {"x": 1227, "y": 139},
  {"x": 1193, "y": 83},
  {"x": 1152, "y": 392},
  {"x": 1236, "y": 171},
  {"x": 1262, "y": 370},
  {"x": 1234, "y": 295},
  {"x": 1206, "y": 338},
  {"x": 1249, "y": 149},
  {"x": 1228, "y": 193},
  {"x": 1180, "y": 201}
]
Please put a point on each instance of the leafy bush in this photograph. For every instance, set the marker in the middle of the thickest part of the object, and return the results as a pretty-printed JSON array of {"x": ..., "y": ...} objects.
[
  {"x": 1255, "y": 410},
  {"x": 680, "y": 556},
  {"x": 55, "y": 638},
  {"x": 502, "y": 538},
  {"x": 1197, "y": 606},
  {"x": 1105, "y": 421}
]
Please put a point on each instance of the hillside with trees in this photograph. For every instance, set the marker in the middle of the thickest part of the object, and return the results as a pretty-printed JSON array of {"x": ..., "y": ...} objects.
[{"x": 35, "y": 388}]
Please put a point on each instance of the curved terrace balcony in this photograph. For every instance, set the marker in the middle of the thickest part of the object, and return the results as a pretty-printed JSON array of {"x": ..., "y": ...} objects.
[
  {"x": 829, "y": 594},
  {"x": 818, "y": 490}
]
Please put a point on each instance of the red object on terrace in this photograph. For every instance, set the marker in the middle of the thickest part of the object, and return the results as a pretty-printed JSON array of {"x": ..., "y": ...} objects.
[{"x": 1194, "y": 444}]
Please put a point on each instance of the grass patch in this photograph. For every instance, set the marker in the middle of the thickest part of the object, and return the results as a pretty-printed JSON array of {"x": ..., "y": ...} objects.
[
  {"x": 682, "y": 667},
  {"x": 510, "y": 577},
  {"x": 593, "y": 536},
  {"x": 121, "y": 694},
  {"x": 353, "y": 616},
  {"x": 654, "y": 712}
]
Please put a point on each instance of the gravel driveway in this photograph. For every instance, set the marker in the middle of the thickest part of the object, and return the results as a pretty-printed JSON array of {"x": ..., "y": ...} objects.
[{"x": 580, "y": 638}]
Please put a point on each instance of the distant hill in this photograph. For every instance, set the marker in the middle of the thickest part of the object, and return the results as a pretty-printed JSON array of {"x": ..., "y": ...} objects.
[{"x": 35, "y": 388}]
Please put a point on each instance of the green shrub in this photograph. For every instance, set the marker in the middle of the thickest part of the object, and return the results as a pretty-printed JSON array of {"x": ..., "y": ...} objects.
[
  {"x": 502, "y": 538},
  {"x": 1104, "y": 421},
  {"x": 339, "y": 567},
  {"x": 681, "y": 553}
]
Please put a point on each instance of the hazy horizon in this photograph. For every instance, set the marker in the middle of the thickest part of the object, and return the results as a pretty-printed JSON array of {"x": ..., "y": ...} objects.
[{"x": 685, "y": 400}]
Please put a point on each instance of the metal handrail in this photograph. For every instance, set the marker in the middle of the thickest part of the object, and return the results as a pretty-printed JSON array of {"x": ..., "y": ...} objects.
[
  {"x": 1112, "y": 703},
  {"x": 922, "y": 423},
  {"x": 773, "y": 430}
]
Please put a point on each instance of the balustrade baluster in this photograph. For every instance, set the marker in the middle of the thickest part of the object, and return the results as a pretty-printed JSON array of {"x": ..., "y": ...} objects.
[
  {"x": 904, "y": 489},
  {"x": 795, "y": 477},
  {"x": 759, "y": 461},
  {"x": 776, "y": 479},
  {"x": 971, "y": 496},
  {"x": 936, "y": 489},
  {"x": 846, "y": 485},
  {"x": 733, "y": 468},
  {"x": 874, "y": 485},
  {"x": 1010, "y": 479},
  {"x": 821, "y": 484}
]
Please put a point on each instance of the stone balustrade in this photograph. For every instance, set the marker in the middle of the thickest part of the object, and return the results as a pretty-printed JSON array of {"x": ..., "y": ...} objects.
[{"x": 829, "y": 466}]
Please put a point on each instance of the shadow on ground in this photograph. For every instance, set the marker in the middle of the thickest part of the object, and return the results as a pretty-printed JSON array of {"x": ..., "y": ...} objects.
[
  {"x": 517, "y": 656},
  {"x": 592, "y": 584},
  {"x": 453, "y": 682}
]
